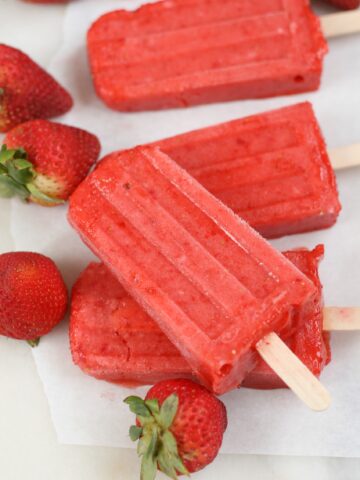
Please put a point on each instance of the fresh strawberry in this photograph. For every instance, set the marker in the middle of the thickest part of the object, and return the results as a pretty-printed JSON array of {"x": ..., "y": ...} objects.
[
  {"x": 44, "y": 162},
  {"x": 33, "y": 295},
  {"x": 27, "y": 91},
  {"x": 180, "y": 428},
  {"x": 345, "y": 4}
]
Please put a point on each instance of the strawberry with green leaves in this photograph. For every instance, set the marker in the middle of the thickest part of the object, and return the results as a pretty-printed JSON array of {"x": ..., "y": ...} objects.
[
  {"x": 179, "y": 428},
  {"x": 27, "y": 91},
  {"x": 43, "y": 161}
]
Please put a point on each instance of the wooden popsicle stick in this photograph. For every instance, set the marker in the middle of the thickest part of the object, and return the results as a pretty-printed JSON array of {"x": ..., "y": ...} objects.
[
  {"x": 338, "y": 24},
  {"x": 345, "y": 157},
  {"x": 341, "y": 318},
  {"x": 293, "y": 372}
]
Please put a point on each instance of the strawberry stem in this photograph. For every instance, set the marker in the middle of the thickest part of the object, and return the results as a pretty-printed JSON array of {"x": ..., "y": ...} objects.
[
  {"x": 17, "y": 177},
  {"x": 157, "y": 445}
]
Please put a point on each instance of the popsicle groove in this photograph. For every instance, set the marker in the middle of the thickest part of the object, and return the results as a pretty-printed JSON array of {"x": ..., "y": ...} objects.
[
  {"x": 188, "y": 14},
  {"x": 197, "y": 225},
  {"x": 203, "y": 307},
  {"x": 154, "y": 46},
  {"x": 206, "y": 53},
  {"x": 119, "y": 228},
  {"x": 181, "y": 65}
]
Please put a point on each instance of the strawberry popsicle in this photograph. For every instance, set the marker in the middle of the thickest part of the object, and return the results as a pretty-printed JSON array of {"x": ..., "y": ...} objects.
[
  {"x": 272, "y": 169},
  {"x": 112, "y": 338},
  {"x": 177, "y": 53},
  {"x": 212, "y": 284}
]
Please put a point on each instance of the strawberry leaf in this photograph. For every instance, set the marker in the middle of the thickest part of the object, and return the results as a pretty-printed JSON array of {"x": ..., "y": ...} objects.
[
  {"x": 34, "y": 343},
  {"x": 148, "y": 468},
  {"x": 169, "y": 442},
  {"x": 179, "y": 466},
  {"x": 11, "y": 154},
  {"x": 166, "y": 465},
  {"x": 168, "y": 410},
  {"x": 9, "y": 188},
  {"x": 39, "y": 195},
  {"x": 153, "y": 405},
  {"x": 135, "y": 432},
  {"x": 137, "y": 406},
  {"x": 143, "y": 444},
  {"x": 149, "y": 463},
  {"x": 21, "y": 175},
  {"x": 22, "y": 164}
]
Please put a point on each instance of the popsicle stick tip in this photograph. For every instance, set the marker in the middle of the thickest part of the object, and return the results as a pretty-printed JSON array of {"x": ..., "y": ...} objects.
[
  {"x": 345, "y": 157},
  {"x": 341, "y": 318},
  {"x": 338, "y": 24},
  {"x": 293, "y": 372}
]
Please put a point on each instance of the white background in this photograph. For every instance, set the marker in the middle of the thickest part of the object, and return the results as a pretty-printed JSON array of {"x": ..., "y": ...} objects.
[{"x": 28, "y": 448}]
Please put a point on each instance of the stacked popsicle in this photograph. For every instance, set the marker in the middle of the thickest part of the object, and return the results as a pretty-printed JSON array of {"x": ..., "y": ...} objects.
[
  {"x": 114, "y": 339},
  {"x": 187, "y": 287},
  {"x": 213, "y": 285}
]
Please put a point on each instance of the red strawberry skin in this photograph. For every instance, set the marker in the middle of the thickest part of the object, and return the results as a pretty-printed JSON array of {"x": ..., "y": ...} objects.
[
  {"x": 60, "y": 153},
  {"x": 199, "y": 424},
  {"x": 33, "y": 295},
  {"x": 27, "y": 91},
  {"x": 345, "y": 4}
]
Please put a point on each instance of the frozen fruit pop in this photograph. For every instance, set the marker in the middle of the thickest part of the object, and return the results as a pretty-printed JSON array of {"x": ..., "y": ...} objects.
[
  {"x": 212, "y": 284},
  {"x": 112, "y": 338},
  {"x": 271, "y": 168},
  {"x": 177, "y": 53}
]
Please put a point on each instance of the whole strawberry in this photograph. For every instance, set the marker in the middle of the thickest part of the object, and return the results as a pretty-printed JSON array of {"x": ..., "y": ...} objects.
[
  {"x": 27, "y": 91},
  {"x": 33, "y": 296},
  {"x": 44, "y": 162},
  {"x": 180, "y": 428}
]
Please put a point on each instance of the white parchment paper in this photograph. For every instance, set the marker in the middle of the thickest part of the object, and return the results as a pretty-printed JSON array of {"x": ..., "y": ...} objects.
[{"x": 90, "y": 412}]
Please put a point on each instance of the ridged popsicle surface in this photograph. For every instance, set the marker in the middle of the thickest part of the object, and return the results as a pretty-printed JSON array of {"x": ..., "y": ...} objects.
[
  {"x": 272, "y": 169},
  {"x": 112, "y": 338},
  {"x": 213, "y": 285},
  {"x": 177, "y": 53}
]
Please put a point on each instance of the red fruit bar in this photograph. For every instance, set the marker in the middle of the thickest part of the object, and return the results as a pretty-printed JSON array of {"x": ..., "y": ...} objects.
[
  {"x": 272, "y": 169},
  {"x": 177, "y": 53},
  {"x": 112, "y": 338},
  {"x": 212, "y": 284}
]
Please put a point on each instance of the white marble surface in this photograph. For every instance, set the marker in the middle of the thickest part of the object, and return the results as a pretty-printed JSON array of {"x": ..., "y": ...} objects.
[{"x": 28, "y": 446}]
